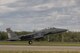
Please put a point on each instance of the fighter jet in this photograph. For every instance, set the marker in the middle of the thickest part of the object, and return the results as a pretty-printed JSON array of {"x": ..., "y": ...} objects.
[{"x": 35, "y": 35}]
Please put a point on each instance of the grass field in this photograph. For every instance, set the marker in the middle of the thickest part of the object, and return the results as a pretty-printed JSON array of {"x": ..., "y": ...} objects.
[
  {"x": 42, "y": 43},
  {"x": 38, "y": 52}
]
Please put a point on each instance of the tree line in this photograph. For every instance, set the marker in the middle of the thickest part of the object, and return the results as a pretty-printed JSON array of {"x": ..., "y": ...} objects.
[{"x": 60, "y": 37}]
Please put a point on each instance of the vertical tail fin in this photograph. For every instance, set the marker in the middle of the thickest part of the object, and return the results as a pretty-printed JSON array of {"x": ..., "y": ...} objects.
[{"x": 12, "y": 35}]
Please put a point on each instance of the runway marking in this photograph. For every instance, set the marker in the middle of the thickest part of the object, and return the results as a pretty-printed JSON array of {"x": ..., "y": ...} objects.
[{"x": 38, "y": 48}]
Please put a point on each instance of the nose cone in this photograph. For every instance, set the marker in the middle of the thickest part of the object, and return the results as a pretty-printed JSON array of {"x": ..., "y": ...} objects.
[
  {"x": 58, "y": 30},
  {"x": 53, "y": 30},
  {"x": 7, "y": 28},
  {"x": 62, "y": 30}
]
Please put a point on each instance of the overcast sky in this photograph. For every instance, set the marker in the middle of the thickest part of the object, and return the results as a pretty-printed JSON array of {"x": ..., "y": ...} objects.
[{"x": 28, "y": 15}]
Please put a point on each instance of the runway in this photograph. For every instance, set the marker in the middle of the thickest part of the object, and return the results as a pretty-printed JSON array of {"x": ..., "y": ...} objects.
[{"x": 38, "y": 48}]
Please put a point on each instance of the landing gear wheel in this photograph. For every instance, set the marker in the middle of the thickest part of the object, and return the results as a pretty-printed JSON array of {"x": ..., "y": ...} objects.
[{"x": 30, "y": 42}]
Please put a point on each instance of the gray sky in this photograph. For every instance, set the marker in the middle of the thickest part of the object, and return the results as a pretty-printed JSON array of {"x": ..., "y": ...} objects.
[{"x": 28, "y": 15}]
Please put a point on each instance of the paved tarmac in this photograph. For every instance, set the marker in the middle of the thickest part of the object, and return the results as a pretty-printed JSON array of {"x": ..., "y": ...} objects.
[{"x": 38, "y": 48}]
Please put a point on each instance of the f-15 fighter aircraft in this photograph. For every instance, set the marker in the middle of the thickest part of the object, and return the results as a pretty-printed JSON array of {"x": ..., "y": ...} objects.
[{"x": 35, "y": 35}]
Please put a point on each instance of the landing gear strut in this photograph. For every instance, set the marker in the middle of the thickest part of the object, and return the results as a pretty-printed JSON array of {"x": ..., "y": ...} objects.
[{"x": 29, "y": 42}]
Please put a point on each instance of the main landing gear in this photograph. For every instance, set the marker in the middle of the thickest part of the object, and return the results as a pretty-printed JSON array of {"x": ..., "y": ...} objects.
[{"x": 30, "y": 42}]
